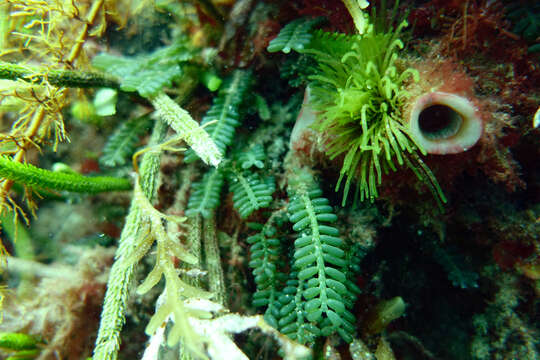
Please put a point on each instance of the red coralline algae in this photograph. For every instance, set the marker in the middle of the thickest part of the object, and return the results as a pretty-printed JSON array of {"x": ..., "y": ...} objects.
[
  {"x": 439, "y": 74},
  {"x": 477, "y": 33}
]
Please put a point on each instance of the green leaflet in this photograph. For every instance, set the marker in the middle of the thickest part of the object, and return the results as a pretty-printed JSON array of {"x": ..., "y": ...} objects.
[
  {"x": 252, "y": 157},
  {"x": 262, "y": 107},
  {"x": 22, "y": 346},
  {"x": 294, "y": 36},
  {"x": 293, "y": 321},
  {"x": 18, "y": 341},
  {"x": 265, "y": 252},
  {"x": 32, "y": 176},
  {"x": 205, "y": 194},
  {"x": 225, "y": 112},
  {"x": 250, "y": 192},
  {"x": 297, "y": 69},
  {"x": 320, "y": 260},
  {"x": 121, "y": 144},
  {"x": 526, "y": 19},
  {"x": 147, "y": 74}
]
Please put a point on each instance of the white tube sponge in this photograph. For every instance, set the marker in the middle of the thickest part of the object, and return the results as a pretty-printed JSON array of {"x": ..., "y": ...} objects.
[{"x": 444, "y": 123}]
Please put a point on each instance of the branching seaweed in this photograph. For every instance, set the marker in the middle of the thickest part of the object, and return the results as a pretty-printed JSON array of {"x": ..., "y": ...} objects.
[
  {"x": 319, "y": 258},
  {"x": 250, "y": 192},
  {"x": 147, "y": 74},
  {"x": 265, "y": 249},
  {"x": 67, "y": 78},
  {"x": 206, "y": 194},
  {"x": 32, "y": 176},
  {"x": 121, "y": 144},
  {"x": 303, "y": 270},
  {"x": 224, "y": 115},
  {"x": 187, "y": 129}
]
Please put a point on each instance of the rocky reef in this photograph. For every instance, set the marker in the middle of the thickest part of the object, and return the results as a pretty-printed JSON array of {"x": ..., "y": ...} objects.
[{"x": 249, "y": 179}]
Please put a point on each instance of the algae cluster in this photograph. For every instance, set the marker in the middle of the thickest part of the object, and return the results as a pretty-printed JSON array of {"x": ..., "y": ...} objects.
[{"x": 177, "y": 174}]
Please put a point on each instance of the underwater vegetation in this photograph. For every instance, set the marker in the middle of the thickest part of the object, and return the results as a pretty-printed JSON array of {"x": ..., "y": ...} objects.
[{"x": 248, "y": 179}]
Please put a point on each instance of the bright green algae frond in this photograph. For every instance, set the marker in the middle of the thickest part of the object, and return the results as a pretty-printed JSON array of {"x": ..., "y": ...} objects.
[
  {"x": 357, "y": 87},
  {"x": 32, "y": 176},
  {"x": 359, "y": 92}
]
